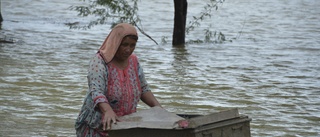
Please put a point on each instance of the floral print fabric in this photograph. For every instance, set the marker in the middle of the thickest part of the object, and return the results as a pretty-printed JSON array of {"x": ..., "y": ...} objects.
[{"x": 120, "y": 88}]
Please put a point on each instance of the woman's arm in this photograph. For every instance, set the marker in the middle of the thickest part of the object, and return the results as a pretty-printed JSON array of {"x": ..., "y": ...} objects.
[
  {"x": 109, "y": 116},
  {"x": 147, "y": 96},
  {"x": 149, "y": 99},
  {"x": 97, "y": 79}
]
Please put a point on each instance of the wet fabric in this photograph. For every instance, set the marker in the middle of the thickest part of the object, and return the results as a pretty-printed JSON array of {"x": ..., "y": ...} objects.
[{"x": 121, "y": 89}]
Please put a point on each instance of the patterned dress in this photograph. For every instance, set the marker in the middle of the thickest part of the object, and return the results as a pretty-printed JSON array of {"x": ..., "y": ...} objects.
[{"x": 120, "y": 88}]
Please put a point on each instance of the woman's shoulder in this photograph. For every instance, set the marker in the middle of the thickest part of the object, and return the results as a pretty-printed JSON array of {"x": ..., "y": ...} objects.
[
  {"x": 133, "y": 55},
  {"x": 97, "y": 56},
  {"x": 97, "y": 59},
  {"x": 134, "y": 58}
]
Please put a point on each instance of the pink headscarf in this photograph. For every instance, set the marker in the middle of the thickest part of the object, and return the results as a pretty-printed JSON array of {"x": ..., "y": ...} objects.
[{"x": 114, "y": 39}]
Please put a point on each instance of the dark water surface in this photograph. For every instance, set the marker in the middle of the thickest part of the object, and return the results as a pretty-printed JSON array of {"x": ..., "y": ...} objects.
[{"x": 270, "y": 70}]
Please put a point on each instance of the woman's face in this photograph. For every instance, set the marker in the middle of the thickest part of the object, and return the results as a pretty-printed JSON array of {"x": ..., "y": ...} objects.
[{"x": 125, "y": 49}]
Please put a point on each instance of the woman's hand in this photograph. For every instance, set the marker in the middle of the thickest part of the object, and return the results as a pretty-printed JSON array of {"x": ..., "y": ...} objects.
[{"x": 109, "y": 117}]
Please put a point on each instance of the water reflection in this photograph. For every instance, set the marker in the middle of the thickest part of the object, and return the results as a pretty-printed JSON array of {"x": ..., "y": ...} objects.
[{"x": 180, "y": 63}]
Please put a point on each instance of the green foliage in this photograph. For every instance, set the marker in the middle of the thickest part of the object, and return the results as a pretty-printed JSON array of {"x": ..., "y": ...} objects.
[
  {"x": 206, "y": 13},
  {"x": 214, "y": 37},
  {"x": 118, "y": 11},
  {"x": 164, "y": 40},
  {"x": 210, "y": 37},
  {"x": 108, "y": 11},
  {"x": 112, "y": 11}
]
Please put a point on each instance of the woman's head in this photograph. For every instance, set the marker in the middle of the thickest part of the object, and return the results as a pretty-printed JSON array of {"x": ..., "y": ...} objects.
[
  {"x": 122, "y": 32},
  {"x": 126, "y": 47}
]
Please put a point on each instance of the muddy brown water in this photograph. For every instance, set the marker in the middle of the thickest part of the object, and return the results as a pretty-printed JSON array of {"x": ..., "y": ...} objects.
[{"x": 270, "y": 70}]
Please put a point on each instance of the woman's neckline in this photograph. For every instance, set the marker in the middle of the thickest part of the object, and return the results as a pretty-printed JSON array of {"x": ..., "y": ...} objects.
[{"x": 120, "y": 66}]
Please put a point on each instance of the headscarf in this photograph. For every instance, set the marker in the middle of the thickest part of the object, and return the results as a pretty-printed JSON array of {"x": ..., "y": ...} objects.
[{"x": 114, "y": 39}]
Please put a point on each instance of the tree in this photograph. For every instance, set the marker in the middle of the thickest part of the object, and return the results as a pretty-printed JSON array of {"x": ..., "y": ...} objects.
[
  {"x": 126, "y": 11},
  {"x": 180, "y": 18},
  {"x": 1, "y": 19}
]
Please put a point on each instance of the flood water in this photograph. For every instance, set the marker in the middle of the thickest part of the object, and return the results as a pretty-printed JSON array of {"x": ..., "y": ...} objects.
[{"x": 270, "y": 71}]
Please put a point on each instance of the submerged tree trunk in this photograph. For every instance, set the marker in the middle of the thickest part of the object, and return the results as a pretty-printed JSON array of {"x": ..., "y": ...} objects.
[
  {"x": 180, "y": 18},
  {"x": 1, "y": 19}
]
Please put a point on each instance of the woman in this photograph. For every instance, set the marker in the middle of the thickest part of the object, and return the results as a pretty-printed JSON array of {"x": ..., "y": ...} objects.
[{"x": 116, "y": 84}]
